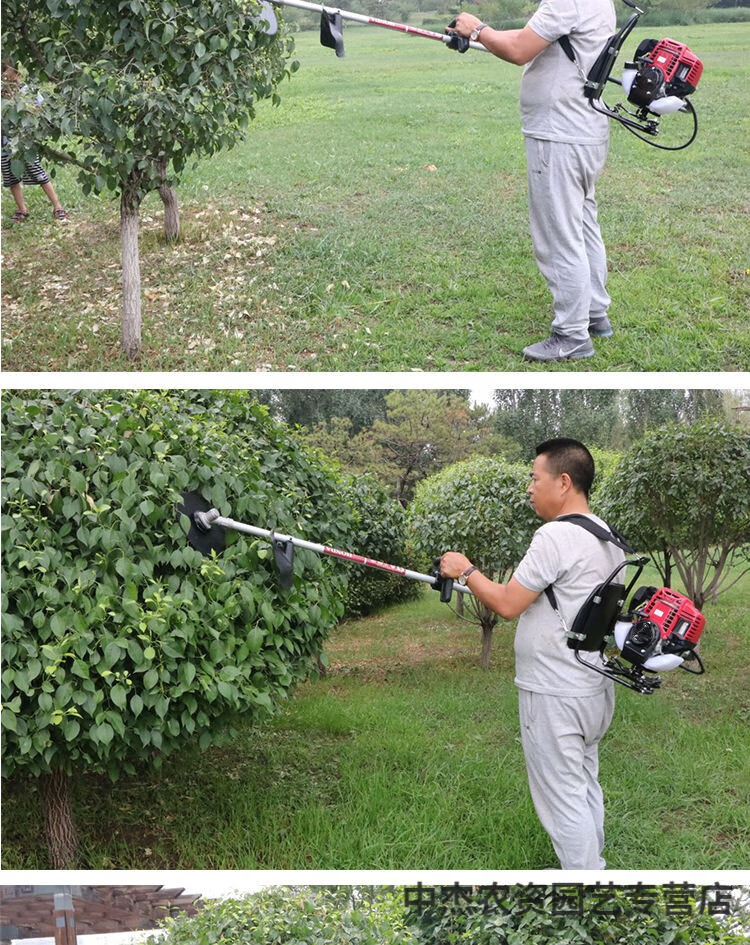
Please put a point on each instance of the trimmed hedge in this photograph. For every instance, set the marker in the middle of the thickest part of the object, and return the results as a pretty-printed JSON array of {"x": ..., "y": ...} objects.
[{"x": 120, "y": 641}]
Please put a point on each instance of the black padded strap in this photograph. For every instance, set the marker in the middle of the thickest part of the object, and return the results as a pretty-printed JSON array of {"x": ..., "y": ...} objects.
[
  {"x": 564, "y": 41},
  {"x": 604, "y": 534}
]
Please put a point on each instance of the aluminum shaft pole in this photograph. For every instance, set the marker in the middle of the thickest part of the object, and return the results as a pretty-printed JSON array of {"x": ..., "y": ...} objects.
[
  {"x": 372, "y": 21},
  {"x": 206, "y": 519}
]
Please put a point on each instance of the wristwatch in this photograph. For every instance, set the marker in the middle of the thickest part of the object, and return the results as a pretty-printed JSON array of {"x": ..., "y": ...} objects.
[
  {"x": 476, "y": 31},
  {"x": 463, "y": 578}
]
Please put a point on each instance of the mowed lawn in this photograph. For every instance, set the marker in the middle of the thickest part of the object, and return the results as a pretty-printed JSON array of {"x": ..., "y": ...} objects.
[
  {"x": 377, "y": 220},
  {"x": 407, "y": 755}
]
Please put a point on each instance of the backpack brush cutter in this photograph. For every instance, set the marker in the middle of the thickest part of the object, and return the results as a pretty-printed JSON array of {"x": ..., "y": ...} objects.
[
  {"x": 658, "y": 632},
  {"x": 657, "y": 81}
]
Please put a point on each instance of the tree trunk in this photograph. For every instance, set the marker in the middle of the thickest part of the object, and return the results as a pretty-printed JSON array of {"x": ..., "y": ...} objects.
[
  {"x": 486, "y": 645},
  {"x": 131, "y": 273},
  {"x": 59, "y": 826},
  {"x": 171, "y": 206},
  {"x": 667, "y": 569}
]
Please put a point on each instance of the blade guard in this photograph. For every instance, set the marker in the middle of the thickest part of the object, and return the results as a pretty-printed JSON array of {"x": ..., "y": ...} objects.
[
  {"x": 207, "y": 537},
  {"x": 332, "y": 32},
  {"x": 283, "y": 555}
]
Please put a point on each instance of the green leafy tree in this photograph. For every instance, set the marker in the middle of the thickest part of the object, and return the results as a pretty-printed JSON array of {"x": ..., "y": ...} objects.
[
  {"x": 683, "y": 494},
  {"x": 120, "y": 641},
  {"x": 421, "y": 432},
  {"x": 504, "y": 14},
  {"x": 380, "y": 532},
  {"x": 532, "y": 416},
  {"x": 298, "y": 916},
  {"x": 604, "y": 419},
  {"x": 538, "y": 915},
  {"x": 308, "y": 408},
  {"x": 643, "y": 410},
  {"x": 133, "y": 90},
  {"x": 480, "y": 508}
]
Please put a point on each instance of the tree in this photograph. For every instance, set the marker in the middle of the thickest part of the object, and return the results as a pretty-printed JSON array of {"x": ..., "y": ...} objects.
[
  {"x": 309, "y": 408},
  {"x": 684, "y": 492},
  {"x": 643, "y": 410},
  {"x": 539, "y": 914},
  {"x": 120, "y": 641},
  {"x": 296, "y": 915},
  {"x": 531, "y": 416},
  {"x": 133, "y": 90},
  {"x": 479, "y": 507},
  {"x": 421, "y": 432},
  {"x": 605, "y": 419}
]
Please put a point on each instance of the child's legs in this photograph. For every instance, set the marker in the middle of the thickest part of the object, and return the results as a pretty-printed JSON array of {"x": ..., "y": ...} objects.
[
  {"x": 17, "y": 191},
  {"x": 50, "y": 192}
]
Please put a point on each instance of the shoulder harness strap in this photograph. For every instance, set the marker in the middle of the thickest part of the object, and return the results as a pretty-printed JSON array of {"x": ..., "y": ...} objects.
[
  {"x": 564, "y": 41},
  {"x": 612, "y": 536}
]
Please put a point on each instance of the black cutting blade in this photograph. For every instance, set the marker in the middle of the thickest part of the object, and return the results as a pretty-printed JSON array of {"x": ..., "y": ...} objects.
[{"x": 204, "y": 541}]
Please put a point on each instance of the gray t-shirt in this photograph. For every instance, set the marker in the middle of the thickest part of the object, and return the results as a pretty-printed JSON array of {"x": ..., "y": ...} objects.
[
  {"x": 574, "y": 561},
  {"x": 553, "y": 106}
]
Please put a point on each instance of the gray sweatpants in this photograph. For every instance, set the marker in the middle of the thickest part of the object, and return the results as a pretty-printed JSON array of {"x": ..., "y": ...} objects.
[
  {"x": 565, "y": 232},
  {"x": 560, "y": 738}
]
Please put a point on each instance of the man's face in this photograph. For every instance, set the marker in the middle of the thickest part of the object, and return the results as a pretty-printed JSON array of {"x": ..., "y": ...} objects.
[{"x": 545, "y": 490}]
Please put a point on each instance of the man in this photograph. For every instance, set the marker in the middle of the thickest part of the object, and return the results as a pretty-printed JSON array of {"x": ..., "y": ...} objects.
[
  {"x": 565, "y": 708},
  {"x": 566, "y": 147}
]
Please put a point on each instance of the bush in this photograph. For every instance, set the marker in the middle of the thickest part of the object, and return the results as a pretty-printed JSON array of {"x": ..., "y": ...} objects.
[
  {"x": 480, "y": 508},
  {"x": 120, "y": 641},
  {"x": 664, "y": 16},
  {"x": 726, "y": 15},
  {"x": 523, "y": 915},
  {"x": 379, "y": 533},
  {"x": 514, "y": 915},
  {"x": 296, "y": 916}
]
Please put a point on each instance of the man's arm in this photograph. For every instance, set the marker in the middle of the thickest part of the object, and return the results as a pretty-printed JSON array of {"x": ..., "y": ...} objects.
[
  {"x": 508, "y": 600},
  {"x": 516, "y": 46}
]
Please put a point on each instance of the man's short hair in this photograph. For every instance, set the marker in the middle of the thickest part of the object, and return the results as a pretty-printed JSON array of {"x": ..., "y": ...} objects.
[{"x": 569, "y": 456}]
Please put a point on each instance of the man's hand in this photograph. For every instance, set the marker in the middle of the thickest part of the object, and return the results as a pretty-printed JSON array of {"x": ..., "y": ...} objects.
[
  {"x": 516, "y": 46},
  {"x": 508, "y": 600},
  {"x": 453, "y": 564},
  {"x": 464, "y": 24}
]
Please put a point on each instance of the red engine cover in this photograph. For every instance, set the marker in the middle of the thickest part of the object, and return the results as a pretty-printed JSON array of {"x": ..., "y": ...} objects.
[
  {"x": 675, "y": 614},
  {"x": 677, "y": 62}
]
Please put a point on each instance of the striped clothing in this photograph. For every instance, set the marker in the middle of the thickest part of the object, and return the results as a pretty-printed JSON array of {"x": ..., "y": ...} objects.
[{"x": 34, "y": 173}]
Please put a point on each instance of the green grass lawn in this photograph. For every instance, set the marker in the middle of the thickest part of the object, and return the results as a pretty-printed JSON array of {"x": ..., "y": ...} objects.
[
  {"x": 376, "y": 220},
  {"x": 407, "y": 755}
]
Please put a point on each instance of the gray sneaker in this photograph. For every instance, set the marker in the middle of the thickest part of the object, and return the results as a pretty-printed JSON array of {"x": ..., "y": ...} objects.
[
  {"x": 558, "y": 348},
  {"x": 601, "y": 328}
]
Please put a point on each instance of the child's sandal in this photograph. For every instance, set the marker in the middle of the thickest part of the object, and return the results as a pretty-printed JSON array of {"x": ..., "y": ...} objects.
[{"x": 20, "y": 215}]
